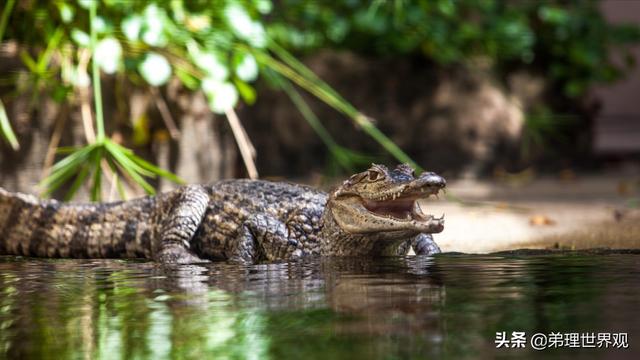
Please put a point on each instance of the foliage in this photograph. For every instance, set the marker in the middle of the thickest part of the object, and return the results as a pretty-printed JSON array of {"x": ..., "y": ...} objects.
[
  {"x": 102, "y": 153},
  {"x": 570, "y": 41},
  {"x": 219, "y": 47},
  {"x": 222, "y": 46},
  {"x": 5, "y": 126}
]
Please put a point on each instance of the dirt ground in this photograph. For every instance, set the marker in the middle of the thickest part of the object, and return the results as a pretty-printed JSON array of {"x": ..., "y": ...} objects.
[{"x": 578, "y": 212}]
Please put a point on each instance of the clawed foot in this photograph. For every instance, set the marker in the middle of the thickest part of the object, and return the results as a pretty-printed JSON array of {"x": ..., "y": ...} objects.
[
  {"x": 424, "y": 245},
  {"x": 174, "y": 254}
]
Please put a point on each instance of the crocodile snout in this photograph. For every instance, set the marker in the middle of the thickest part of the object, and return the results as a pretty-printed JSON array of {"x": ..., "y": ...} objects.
[{"x": 429, "y": 179}]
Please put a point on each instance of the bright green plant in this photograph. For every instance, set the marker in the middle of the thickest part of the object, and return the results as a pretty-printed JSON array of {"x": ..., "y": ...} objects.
[
  {"x": 5, "y": 127},
  {"x": 222, "y": 46},
  {"x": 219, "y": 47},
  {"x": 90, "y": 160}
]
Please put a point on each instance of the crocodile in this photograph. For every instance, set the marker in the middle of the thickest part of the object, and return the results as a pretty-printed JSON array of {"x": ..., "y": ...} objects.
[{"x": 373, "y": 213}]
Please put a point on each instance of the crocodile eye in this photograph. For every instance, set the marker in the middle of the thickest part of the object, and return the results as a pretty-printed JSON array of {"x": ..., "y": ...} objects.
[{"x": 374, "y": 175}]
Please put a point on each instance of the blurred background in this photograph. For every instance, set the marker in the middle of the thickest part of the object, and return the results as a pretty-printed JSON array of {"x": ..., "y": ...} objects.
[{"x": 529, "y": 108}]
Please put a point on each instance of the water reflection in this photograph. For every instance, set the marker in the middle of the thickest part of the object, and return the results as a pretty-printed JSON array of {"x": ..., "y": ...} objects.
[{"x": 330, "y": 308}]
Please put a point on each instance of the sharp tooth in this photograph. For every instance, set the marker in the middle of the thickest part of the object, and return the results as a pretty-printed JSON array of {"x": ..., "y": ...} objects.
[
  {"x": 417, "y": 208},
  {"x": 408, "y": 217},
  {"x": 437, "y": 196}
]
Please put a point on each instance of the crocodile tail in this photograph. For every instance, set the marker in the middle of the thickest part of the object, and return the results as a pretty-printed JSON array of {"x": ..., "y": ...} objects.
[
  {"x": 48, "y": 228},
  {"x": 18, "y": 221}
]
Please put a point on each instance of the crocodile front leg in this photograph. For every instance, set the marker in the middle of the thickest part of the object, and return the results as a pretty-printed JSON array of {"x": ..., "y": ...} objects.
[
  {"x": 262, "y": 237},
  {"x": 180, "y": 225},
  {"x": 423, "y": 244}
]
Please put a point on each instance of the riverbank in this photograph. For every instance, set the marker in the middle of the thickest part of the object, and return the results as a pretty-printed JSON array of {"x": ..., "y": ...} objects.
[{"x": 578, "y": 212}]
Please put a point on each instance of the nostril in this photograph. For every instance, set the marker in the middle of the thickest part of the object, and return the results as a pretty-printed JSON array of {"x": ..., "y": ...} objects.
[
  {"x": 437, "y": 181},
  {"x": 433, "y": 179}
]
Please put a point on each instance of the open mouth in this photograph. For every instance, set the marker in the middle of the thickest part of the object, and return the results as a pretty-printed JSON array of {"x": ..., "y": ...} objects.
[{"x": 401, "y": 207}]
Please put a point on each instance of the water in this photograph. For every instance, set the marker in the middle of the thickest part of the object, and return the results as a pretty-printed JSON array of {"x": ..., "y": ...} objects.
[{"x": 416, "y": 307}]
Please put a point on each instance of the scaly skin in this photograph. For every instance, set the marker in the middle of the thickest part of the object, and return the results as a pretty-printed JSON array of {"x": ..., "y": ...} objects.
[{"x": 372, "y": 213}]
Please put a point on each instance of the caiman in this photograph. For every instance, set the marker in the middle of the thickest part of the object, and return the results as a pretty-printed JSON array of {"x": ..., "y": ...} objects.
[{"x": 373, "y": 213}]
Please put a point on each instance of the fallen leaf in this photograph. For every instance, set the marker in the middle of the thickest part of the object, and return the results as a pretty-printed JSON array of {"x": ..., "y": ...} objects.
[{"x": 541, "y": 220}]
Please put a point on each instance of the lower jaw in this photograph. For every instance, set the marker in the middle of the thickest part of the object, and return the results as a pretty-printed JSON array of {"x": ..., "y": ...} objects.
[{"x": 380, "y": 244}]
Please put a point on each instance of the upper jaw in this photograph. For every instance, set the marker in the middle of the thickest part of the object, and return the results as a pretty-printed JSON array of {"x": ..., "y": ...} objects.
[{"x": 424, "y": 186}]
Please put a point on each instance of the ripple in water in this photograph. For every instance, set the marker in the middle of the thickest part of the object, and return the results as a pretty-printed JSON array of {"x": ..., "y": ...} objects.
[{"x": 413, "y": 307}]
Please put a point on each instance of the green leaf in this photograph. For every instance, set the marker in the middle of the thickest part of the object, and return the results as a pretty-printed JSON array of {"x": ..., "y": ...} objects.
[
  {"x": 212, "y": 66},
  {"x": 81, "y": 38},
  {"x": 95, "y": 75},
  {"x": 6, "y": 130},
  {"x": 60, "y": 92},
  {"x": 82, "y": 175},
  {"x": 28, "y": 61},
  {"x": 208, "y": 61},
  {"x": 120, "y": 188},
  {"x": 100, "y": 25},
  {"x": 67, "y": 149},
  {"x": 141, "y": 182},
  {"x": 96, "y": 189},
  {"x": 247, "y": 92},
  {"x": 155, "y": 69},
  {"x": 120, "y": 155},
  {"x": 153, "y": 31},
  {"x": 156, "y": 170},
  {"x": 52, "y": 44},
  {"x": 108, "y": 54},
  {"x": 141, "y": 134},
  {"x": 553, "y": 14},
  {"x": 129, "y": 168},
  {"x": 85, "y": 3},
  {"x": 4, "y": 18},
  {"x": 73, "y": 159},
  {"x": 64, "y": 169},
  {"x": 239, "y": 20},
  {"x": 246, "y": 66},
  {"x": 131, "y": 27},
  {"x": 244, "y": 27},
  {"x": 222, "y": 95},
  {"x": 66, "y": 12},
  {"x": 68, "y": 164},
  {"x": 187, "y": 79},
  {"x": 263, "y": 6}
]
